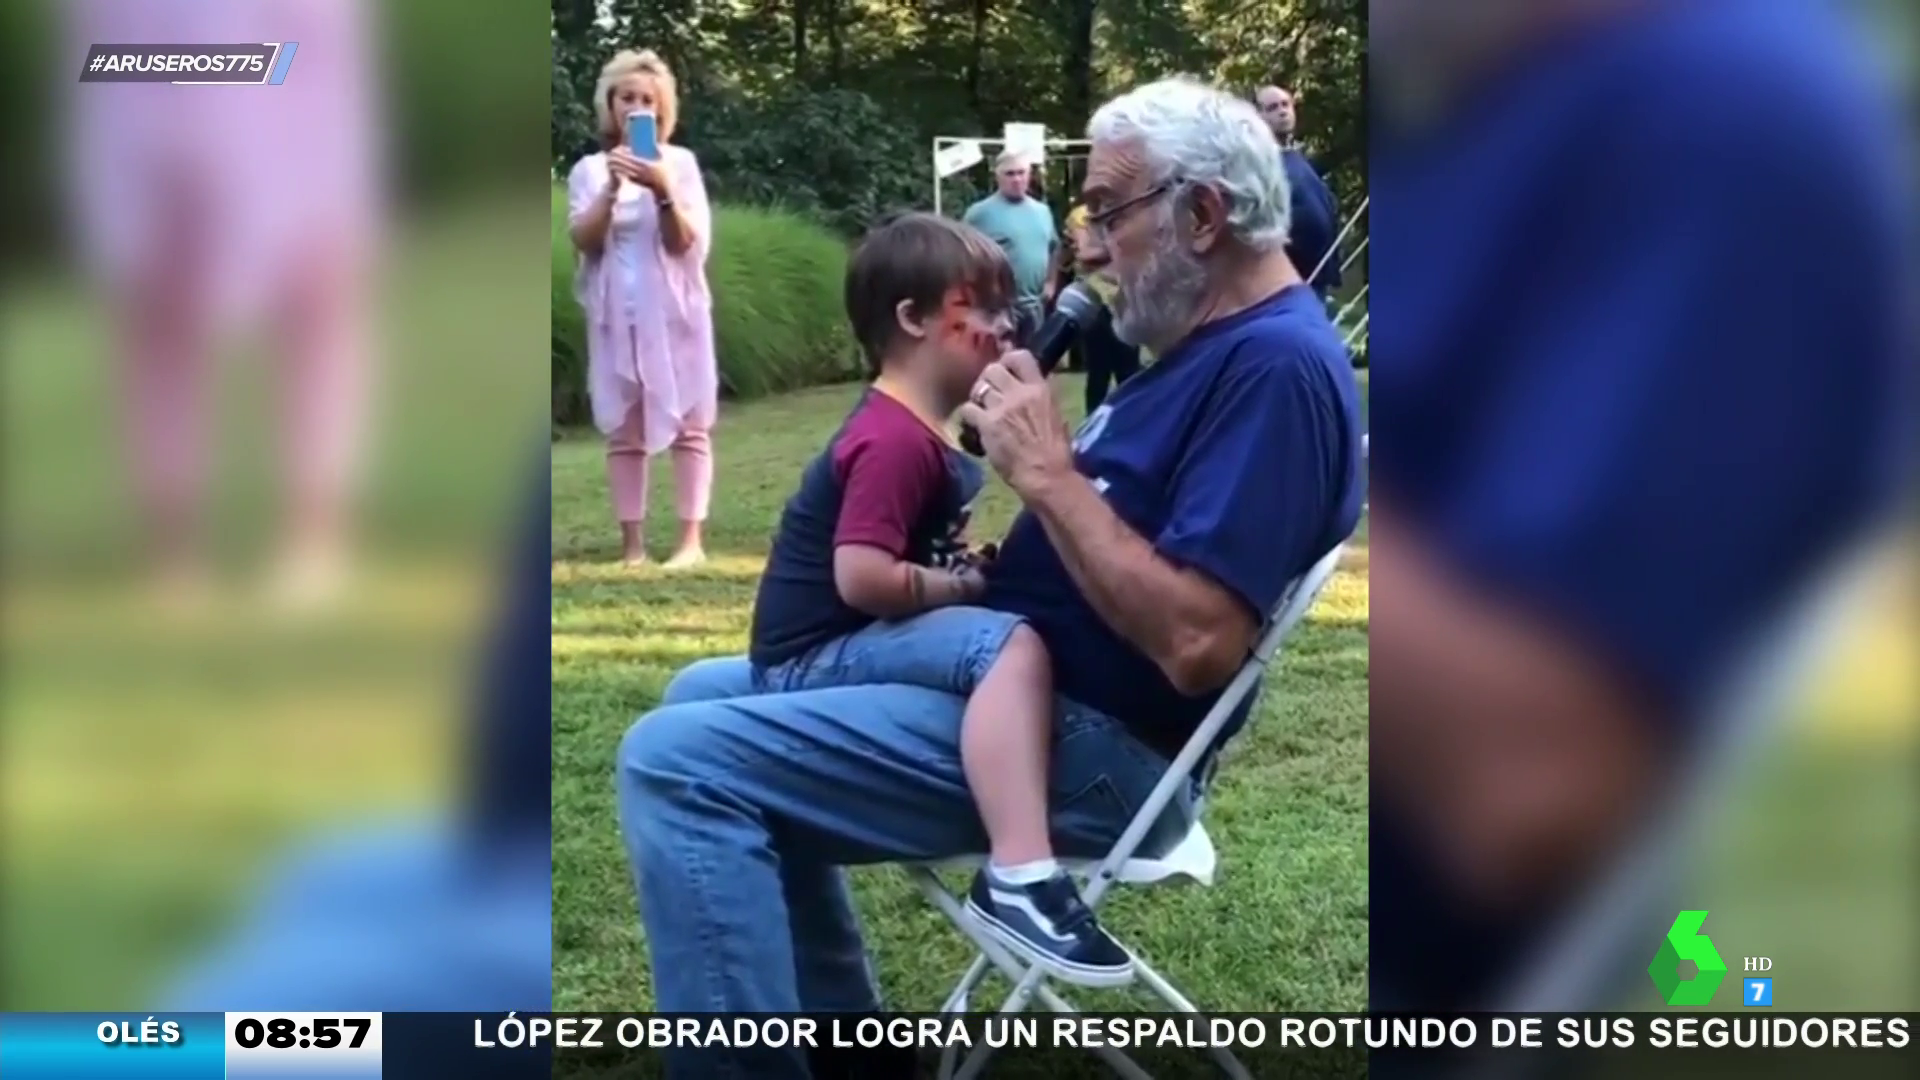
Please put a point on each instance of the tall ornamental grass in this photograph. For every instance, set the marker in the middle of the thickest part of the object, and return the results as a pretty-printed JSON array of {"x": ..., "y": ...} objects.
[{"x": 777, "y": 310}]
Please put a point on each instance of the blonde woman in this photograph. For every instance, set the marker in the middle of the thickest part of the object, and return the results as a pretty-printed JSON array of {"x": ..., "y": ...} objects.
[
  {"x": 642, "y": 230},
  {"x": 224, "y": 213}
]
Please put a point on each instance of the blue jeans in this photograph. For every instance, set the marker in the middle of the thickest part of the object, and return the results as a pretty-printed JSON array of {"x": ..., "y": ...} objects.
[
  {"x": 739, "y": 808},
  {"x": 948, "y": 649}
]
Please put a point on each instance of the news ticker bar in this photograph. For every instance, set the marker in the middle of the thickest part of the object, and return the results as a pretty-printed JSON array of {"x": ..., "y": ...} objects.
[
  {"x": 191, "y": 1046},
  {"x": 402, "y": 1046}
]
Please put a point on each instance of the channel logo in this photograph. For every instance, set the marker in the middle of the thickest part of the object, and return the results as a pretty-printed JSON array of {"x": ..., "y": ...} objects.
[{"x": 1684, "y": 941}]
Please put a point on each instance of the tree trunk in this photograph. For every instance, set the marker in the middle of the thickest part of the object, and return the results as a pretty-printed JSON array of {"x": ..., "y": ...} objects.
[
  {"x": 1079, "y": 62},
  {"x": 801, "y": 12},
  {"x": 836, "y": 43},
  {"x": 978, "y": 59}
]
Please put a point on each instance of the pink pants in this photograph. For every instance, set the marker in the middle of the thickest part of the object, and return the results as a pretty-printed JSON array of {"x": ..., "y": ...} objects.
[
  {"x": 171, "y": 333},
  {"x": 627, "y": 469}
]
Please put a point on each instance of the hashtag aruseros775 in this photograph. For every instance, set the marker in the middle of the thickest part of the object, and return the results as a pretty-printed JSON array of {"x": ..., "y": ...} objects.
[{"x": 246, "y": 64}]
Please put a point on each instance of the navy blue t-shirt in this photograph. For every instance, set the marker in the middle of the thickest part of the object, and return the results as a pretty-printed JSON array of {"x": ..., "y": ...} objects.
[
  {"x": 1315, "y": 221},
  {"x": 1238, "y": 455},
  {"x": 1638, "y": 366},
  {"x": 886, "y": 481}
]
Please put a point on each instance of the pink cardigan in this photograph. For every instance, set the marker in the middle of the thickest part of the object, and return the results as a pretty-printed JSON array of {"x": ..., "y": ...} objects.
[{"x": 665, "y": 356}]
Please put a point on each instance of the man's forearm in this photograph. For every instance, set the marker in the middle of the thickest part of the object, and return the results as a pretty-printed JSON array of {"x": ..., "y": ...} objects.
[
  {"x": 1523, "y": 758},
  {"x": 1168, "y": 613}
]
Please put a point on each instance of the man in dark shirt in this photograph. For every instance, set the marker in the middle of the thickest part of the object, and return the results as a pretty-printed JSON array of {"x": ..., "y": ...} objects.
[
  {"x": 1152, "y": 546},
  {"x": 1315, "y": 213}
]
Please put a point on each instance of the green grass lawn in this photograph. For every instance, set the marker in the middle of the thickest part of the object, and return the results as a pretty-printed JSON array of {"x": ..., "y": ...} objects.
[
  {"x": 1285, "y": 925},
  {"x": 152, "y": 766}
]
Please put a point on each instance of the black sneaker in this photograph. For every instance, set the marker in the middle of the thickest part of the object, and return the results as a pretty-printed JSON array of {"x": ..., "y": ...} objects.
[{"x": 1049, "y": 926}]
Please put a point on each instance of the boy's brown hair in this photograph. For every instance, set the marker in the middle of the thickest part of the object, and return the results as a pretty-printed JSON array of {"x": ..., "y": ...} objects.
[{"x": 921, "y": 258}]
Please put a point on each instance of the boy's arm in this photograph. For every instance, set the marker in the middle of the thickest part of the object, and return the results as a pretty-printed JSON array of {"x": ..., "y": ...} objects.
[
  {"x": 885, "y": 488},
  {"x": 880, "y": 584}
]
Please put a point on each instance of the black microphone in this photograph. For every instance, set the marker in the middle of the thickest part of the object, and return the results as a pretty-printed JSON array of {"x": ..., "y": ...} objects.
[{"x": 1075, "y": 310}]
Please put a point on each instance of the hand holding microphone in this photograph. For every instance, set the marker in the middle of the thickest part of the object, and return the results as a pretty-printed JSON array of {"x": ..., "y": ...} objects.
[
  {"x": 1074, "y": 311},
  {"x": 1012, "y": 419}
]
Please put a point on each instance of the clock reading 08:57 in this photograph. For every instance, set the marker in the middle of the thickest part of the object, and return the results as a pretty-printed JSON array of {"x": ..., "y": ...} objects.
[{"x": 283, "y": 1034}]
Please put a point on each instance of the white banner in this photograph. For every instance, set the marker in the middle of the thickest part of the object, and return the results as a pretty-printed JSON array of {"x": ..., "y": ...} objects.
[
  {"x": 960, "y": 156},
  {"x": 1030, "y": 140}
]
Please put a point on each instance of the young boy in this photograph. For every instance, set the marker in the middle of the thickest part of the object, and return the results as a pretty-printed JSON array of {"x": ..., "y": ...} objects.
[{"x": 868, "y": 571}]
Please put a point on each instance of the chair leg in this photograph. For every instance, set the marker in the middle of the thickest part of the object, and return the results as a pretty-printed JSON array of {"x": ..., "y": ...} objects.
[
  {"x": 990, "y": 953},
  {"x": 1160, "y": 986},
  {"x": 960, "y": 1000},
  {"x": 944, "y": 902},
  {"x": 1115, "y": 1059},
  {"x": 957, "y": 1002},
  {"x": 1023, "y": 989},
  {"x": 1172, "y": 996}
]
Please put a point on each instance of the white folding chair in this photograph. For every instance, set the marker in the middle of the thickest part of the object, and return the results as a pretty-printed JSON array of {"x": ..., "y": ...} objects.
[{"x": 1192, "y": 858}]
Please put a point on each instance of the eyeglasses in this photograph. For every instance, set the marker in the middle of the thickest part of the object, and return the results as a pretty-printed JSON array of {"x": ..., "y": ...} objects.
[{"x": 1100, "y": 225}]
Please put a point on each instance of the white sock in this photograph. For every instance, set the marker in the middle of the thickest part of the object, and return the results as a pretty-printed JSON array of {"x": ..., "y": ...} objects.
[{"x": 1031, "y": 873}]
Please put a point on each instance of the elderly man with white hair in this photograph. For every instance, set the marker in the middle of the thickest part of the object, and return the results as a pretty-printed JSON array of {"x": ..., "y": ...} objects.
[{"x": 1150, "y": 547}]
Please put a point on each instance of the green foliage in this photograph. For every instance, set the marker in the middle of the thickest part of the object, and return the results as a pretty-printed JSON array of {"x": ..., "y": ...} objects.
[
  {"x": 831, "y": 107},
  {"x": 836, "y": 153},
  {"x": 570, "y": 404},
  {"x": 459, "y": 92},
  {"x": 779, "y": 318},
  {"x": 26, "y": 73},
  {"x": 828, "y": 109},
  {"x": 777, "y": 309}
]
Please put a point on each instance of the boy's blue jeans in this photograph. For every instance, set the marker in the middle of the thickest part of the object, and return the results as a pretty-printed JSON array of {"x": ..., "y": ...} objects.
[
  {"x": 741, "y": 797},
  {"x": 948, "y": 649}
]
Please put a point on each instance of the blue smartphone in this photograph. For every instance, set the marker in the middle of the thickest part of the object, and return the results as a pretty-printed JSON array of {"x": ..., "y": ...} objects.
[{"x": 643, "y": 135}]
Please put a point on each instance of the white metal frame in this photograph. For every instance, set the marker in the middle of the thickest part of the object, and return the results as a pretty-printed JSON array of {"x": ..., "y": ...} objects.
[
  {"x": 1355, "y": 334},
  {"x": 1193, "y": 858},
  {"x": 1068, "y": 147}
]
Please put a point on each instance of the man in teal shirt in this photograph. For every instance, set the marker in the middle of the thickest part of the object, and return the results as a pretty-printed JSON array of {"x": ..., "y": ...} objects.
[{"x": 1023, "y": 227}]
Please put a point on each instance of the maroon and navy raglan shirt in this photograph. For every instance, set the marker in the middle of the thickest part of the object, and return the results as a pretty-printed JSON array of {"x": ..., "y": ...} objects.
[{"x": 886, "y": 481}]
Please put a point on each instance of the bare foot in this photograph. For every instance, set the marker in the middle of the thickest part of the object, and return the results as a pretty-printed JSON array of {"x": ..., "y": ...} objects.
[
  {"x": 685, "y": 559},
  {"x": 633, "y": 543},
  {"x": 309, "y": 578}
]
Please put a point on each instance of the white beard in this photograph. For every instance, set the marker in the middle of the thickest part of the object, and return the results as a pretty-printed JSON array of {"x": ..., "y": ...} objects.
[{"x": 1156, "y": 305}]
